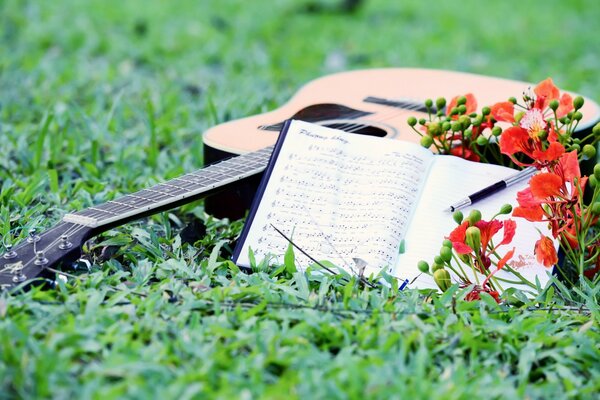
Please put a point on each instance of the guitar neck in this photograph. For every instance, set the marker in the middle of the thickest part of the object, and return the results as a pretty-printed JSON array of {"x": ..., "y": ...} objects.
[{"x": 172, "y": 193}]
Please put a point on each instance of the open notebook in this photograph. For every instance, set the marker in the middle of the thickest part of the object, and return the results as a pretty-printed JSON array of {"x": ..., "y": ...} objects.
[{"x": 342, "y": 196}]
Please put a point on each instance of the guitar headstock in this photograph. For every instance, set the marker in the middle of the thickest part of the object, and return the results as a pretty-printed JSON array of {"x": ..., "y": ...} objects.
[{"x": 29, "y": 261}]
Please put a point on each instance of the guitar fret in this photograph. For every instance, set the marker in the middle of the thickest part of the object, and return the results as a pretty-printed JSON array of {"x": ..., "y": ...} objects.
[
  {"x": 122, "y": 204},
  {"x": 153, "y": 190},
  {"x": 139, "y": 198},
  {"x": 101, "y": 210}
]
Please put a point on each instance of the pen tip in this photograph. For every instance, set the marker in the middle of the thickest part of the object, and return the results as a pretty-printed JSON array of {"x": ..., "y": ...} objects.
[{"x": 449, "y": 209}]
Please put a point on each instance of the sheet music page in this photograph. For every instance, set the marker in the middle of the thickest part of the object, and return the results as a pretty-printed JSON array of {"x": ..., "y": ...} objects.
[
  {"x": 450, "y": 180},
  {"x": 338, "y": 196}
]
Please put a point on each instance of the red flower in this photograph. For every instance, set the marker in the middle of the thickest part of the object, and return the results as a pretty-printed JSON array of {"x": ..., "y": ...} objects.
[
  {"x": 488, "y": 230},
  {"x": 545, "y": 252},
  {"x": 475, "y": 293},
  {"x": 504, "y": 111},
  {"x": 546, "y": 91},
  {"x": 458, "y": 236}
]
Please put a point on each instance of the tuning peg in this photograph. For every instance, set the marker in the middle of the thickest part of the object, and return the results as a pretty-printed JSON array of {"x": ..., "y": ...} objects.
[
  {"x": 32, "y": 238},
  {"x": 40, "y": 259},
  {"x": 10, "y": 253},
  {"x": 19, "y": 276},
  {"x": 81, "y": 263},
  {"x": 64, "y": 243}
]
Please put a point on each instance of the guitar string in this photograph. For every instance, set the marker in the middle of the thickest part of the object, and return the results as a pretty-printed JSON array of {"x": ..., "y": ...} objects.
[{"x": 75, "y": 228}]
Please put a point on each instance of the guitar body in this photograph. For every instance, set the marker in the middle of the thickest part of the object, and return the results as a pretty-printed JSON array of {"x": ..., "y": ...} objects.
[{"x": 345, "y": 100}]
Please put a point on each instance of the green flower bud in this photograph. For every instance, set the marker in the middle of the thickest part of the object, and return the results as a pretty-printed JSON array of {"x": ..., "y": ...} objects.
[
  {"x": 436, "y": 266},
  {"x": 461, "y": 100},
  {"x": 512, "y": 100},
  {"x": 438, "y": 260},
  {"x": 454, "y": 111},
  {"x": 589, "y": 151},
  {"x": 428, "y": 103},
  {"x": 412, "y": 121},
  {"x": 596, "y": 208},
  {"x": 486, "y": 110},
  {"x": 554, "y": 105},
  {"x": 482, "y": 140},
  {"x": 596, "y": 129},
  {"x": 423, "y": 266},
  {"x": 458, "y": 217},
  {"x": 593, "y": 181},
  {"x": 505, "y": 209},
  {"x": 442, "y": 279},
  {"x": 468, "y": 134},
  {"x": 477, "y": 120},
  {"x": 578, "y": 102},
  {"x": 577, "y": 141},
  {"x": 474, "y": 217},
  {"x": 422, "y": 121},
  {"x": 456, "y": 126},
  {"x": 570, "y": 115},
  {"x": 426, "y": 141},
  {"x": 462, "y": 109},
  {"x": 597, "y": 171},
  {"x": 562, "y": 120},
  {"x": 473, "y": 237},
  {"x": 519, "y": 115},
  {"x": 445, "y": 126},
  {"x": 496, "y": 131},
  {"x": 447, "y": 243},
  {"x": 575, "y": 147},
  {"x": 577, "y": 115},
  {"x": 465, "y": 121},
  {"x": 434, "y": 129},
  {"x": 446, "y": 253},
  {"x": 440, "y": 103}
]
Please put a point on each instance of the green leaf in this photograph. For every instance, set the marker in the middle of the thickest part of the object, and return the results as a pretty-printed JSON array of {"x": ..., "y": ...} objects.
[{"x": 289, "y": 259}]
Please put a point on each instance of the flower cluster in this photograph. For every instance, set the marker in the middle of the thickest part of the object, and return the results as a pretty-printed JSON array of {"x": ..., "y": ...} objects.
[
  {"x": 539, "y": 132},
  {"x": 457, "y": 129},
  {"x": 541, "y": 135},
  {"x": 472, "y": 256}
]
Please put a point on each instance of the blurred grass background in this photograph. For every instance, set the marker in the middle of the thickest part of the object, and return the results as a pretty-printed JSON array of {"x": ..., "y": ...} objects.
[{"x": 104, "y": 97}]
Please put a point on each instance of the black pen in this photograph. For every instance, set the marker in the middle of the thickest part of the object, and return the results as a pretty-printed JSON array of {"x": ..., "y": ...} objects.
[{"x": 496, "y": 187}]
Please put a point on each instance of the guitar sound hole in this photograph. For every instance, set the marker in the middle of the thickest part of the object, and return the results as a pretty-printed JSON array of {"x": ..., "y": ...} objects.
[{"x": 359, "y": 129}]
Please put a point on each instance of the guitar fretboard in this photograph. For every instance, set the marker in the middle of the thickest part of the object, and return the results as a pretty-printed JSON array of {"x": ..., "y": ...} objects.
[{"x": 186, "y": 187}]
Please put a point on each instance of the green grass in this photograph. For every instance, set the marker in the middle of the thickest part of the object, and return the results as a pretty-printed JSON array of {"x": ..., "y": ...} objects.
[{"x": 101, "y": 98}]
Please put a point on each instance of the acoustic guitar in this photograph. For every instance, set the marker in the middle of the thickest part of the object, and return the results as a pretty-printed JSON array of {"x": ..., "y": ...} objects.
[{"x": 369, "y": 102}]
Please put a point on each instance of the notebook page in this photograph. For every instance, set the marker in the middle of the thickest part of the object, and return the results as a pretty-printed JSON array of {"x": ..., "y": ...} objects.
[
  {"x": 450, "y": 180},
  {"x": 339, "y": 197}
]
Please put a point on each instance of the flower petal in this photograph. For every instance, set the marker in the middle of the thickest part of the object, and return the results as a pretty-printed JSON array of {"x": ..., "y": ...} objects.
[
  {"x": 545, "y": 252},
  {"x": 513, "y": 139},
  {"x": 504, "y": 111},
  {"x": 565, "y": 106},
  {"x": 546, "y": 91},
  {"x": 502, "y": 262},
  {"x": 545, "y": 185},
  {"x": 488, "y": 230},
  {"x": 569, "y": 166},
  {"x": 553, "y": 152},
  {"x": 510, "y": 227},
  {"x": 533, "y": 214}
]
